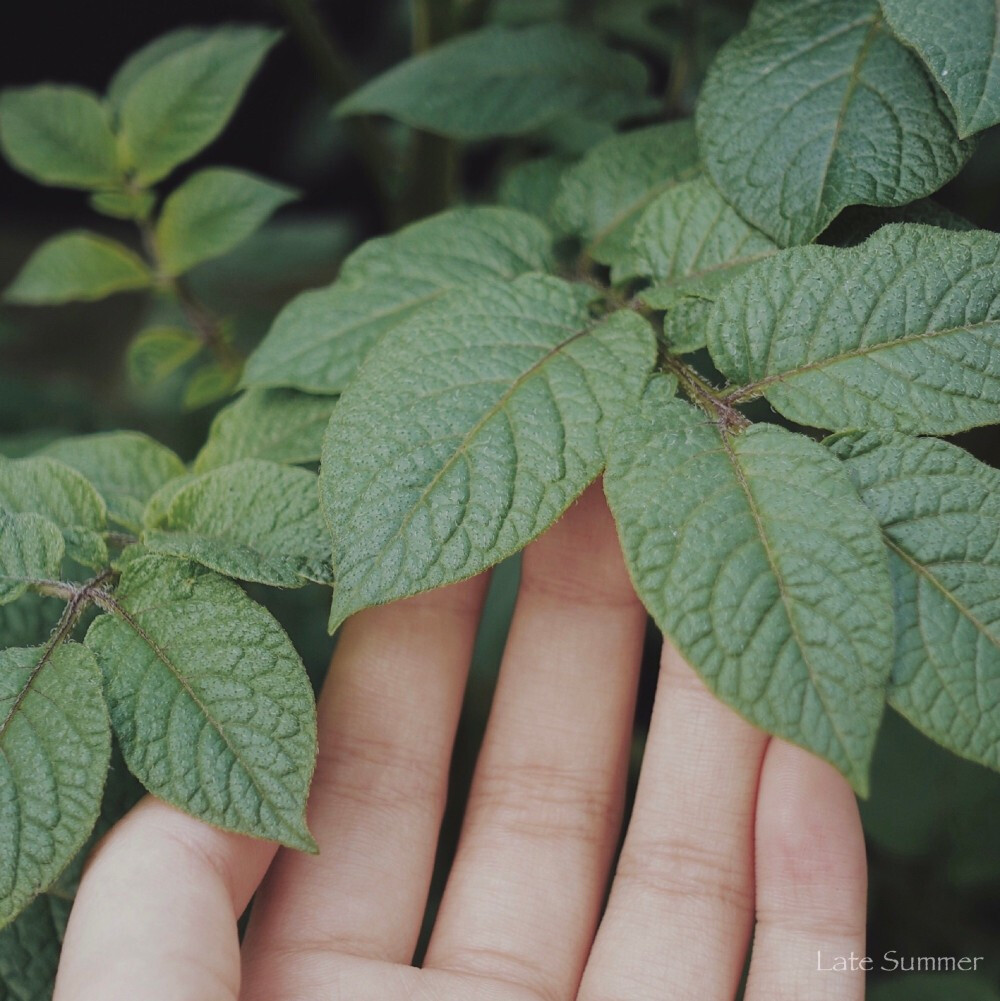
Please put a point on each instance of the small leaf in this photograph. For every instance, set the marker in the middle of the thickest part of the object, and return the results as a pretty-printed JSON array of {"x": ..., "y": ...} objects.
[
  {"x": 147, "y": 57},
  {"x": 211, "y": 212},
  {"x": 43, "y": 486},
  {"x": 940, "y": 513},
  {"x": 532, "y": 185},
  {"x": 960, "y": 45},
  {"x": 471, "y": 433},
  {"x": 254, "y": 520},
  {"x": 901, "y": 332},
  {"x": 156, "y": 353},
  {"x": 77, "y": 266},
  {"x": 54, "y": 746},
  {"x": 755, "y": 556},
  {"x": 814, "y": 107},
  {"x": 31, "y": 547},
  {"x": 320, "y": 338},
  {"x": 123, "y": 204},
  {"x": 179, "y": 102},
  {"x": 59, "y": 135},
  {"x": 210, "y": 383},
  {"x": 126, "y": 467},
  {"x": 208, "y": 698},
  {"x": 502, "y": 82},
  {"x": 277, "y": 424},
  {"x": 602, "y": 197}
]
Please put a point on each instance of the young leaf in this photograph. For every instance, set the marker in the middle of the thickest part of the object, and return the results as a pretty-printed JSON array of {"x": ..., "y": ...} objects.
[
  {"x": 471, "y": 433},
  {"x": 499, "y": 82},
  {"x": 814, "y": 107},
  {"x": 123, "y": 204},
  {"x": 126, "y": 467},
  {"x": 277, "y": 424},
  {"x": 211, "y": 212},
  {"x": 30, "y": 547},
  {"x": 208, "y": 698},
  {"x": 940, "y": 514},
  {"x": 254, "y": 520},
  {"x": 178, "y": 103},
  {"x": 755, "y": 556},
  {"x": 901, "y": 332},
  {"x": 77, "y": 266},
  {"x": 158, "y": 352},
  {"x": 210, "y": 383},
  {"x": 602, "y": 197},
  {"x": 59, "y": 135},
  {"x": 55, "y": 743},
  {"x": 320, "y": 338},
  {"x": 960, "y": 45},
  {"x": 43, "y": 486}
]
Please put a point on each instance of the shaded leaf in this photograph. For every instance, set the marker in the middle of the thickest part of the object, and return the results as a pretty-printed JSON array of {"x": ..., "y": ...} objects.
[
  {"x": 210, "y": 383},
  {"x": 30, "y": 547},
  {"x": 158, "y": 352}
]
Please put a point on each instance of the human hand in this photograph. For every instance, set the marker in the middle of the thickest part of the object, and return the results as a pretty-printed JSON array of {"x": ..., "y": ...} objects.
[{"x": 728, "y": 825}]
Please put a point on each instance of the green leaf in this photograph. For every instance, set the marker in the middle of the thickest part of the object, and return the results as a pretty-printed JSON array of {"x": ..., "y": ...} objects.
[
  {"x": 601, "y": 198},
  {"x": 178, "y": 103},
  {"x": 38, "y": 485},
  {"x": 933, "y": 987},
  {"x": 156, "y": 353},
  {"x": 126, "y": 467},
  {"x": 277, "y": 424},
  {"x": 472, "y": 433},
  {"x": 816, "y": 106},
  {"x": 77, "y": 266},
  {"x": 940, "y": 514},
  {"x": 532, "y": 185},
  {"x": 208, "y": 698},
  {"x": 30, "y": 547},
  {"x": 123, "y": 204},
  {"x": 254, "y": 520},
  {"x": 210, "y": 383},
  {"x": 901, "y": 332},
  {"x": 59, "y": 135},
  {"x": 960, "y": 45},
  {"x": 147, "y": 57},
  {"x": 29, "y": 620},
  {"x": 320, "y": 338},
  {"x": 30, "y": 947},
  {"x": 54, "y": 749},
  {"x": 211, "y": 212},
  {"x": 756, "y": 558},
  {"x": 502, "y": 82}
]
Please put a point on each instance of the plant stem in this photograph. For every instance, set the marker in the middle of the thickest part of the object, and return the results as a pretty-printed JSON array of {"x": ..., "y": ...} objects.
[{"x": 704, "y": 395}]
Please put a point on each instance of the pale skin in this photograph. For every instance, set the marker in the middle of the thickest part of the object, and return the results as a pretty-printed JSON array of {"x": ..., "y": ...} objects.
[{"x": 732, "y": 833}]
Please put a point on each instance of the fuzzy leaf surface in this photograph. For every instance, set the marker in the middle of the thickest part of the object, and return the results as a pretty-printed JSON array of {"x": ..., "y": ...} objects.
[
  {"x": 253, "y": 520},
  {"x": 55, "y": 743},
  {"x": 755, "y": 556},
  {"x": 940, "y": 513},
  {"x": 816, "y": 106},
  {"x": 900, "y": 332},
  {"x": 209, "y": 700},
  {"x": 30, "y": 547},
  {"x": 471, "y": 433}
]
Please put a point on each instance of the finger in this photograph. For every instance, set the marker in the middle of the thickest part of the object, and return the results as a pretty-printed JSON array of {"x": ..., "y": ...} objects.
[
  {"x": 811, "y": 881},
  {"x": 155, "y": 916},
  {"x": 681, "y": 905},
  {"x": 387, "y": 719},
  {"x": 544, "y": 811}
]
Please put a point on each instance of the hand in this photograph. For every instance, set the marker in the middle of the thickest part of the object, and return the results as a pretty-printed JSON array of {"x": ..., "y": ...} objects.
[{"x": 727, "y": 825}]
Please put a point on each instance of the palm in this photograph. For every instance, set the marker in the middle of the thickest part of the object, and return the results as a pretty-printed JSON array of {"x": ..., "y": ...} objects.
[{"x": 727, "y": 826}]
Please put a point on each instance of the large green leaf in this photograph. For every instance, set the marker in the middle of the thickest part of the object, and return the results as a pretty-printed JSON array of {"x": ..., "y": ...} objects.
[
  {"x": 320, "y": 338},
  {"x": 55, "y": 743},
  {"x": 255, "y": 520},
  {"x": 816, "y": 106},
  {"x": 208, "y": 698},
  {"x": 126, "y": 467},
  {"x": 59, "y": 135},
  {"x": 471, "y": 432},
  {"x": 940, "y": 512},
  {"x": 38, "y": 485},
  {"x": 177, "y": 103},
  {"x": 502, "y": 82},
  {"x": 902, "y": 331},
  {"x": 30, "y": 547},
  {"x": 211, "y": 212},
  {"x": 148, "y": 56},
  {"x": 755, "y": 556},
  {"x": 601, "y": 198},
  {"x": 960, "y": 44},
  {"x": 277, "y": 424},
  {"x": 77, "y": 266}
]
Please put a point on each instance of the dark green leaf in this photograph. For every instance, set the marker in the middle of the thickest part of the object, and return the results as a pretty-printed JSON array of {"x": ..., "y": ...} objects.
[{"x": 31, "y": 547}]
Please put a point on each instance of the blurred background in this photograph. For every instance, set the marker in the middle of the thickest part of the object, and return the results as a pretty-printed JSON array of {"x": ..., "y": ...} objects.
[{"x": 932, "y": 821}]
